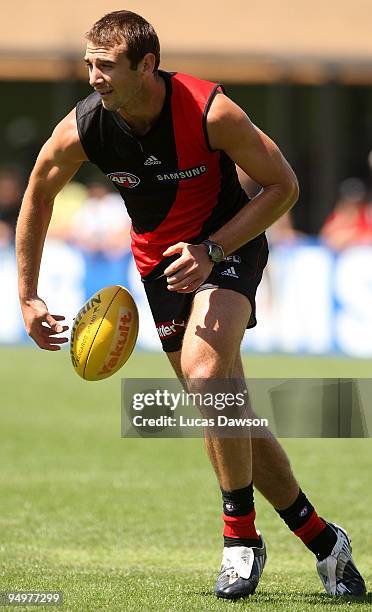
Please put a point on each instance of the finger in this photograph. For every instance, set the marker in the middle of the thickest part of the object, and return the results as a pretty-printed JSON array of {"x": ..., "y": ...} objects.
[
  {"x": 46, "y": 346},
  {"x": 175, "y": 248},
  {"x": 190, "y": 289},
  {"x": 181, "y": 280},
  {"x": 50, "y": 332},
  {"x": 184, "y": 283},
  {"x": 181, "y": 274},
  {"x": 43, "y": 334},
  {"x": 59, "y": 340},
  {"x": 53, "y": 324},
  {"x": 176, "y": 266},
  {"x": 51, "y": 347},
  {"x": 44, "y": 340},
  {"x": 54, "y": 340},
  {"x": 58, "y": 317}
]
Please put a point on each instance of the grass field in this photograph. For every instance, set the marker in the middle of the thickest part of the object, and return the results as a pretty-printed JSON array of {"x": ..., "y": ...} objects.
[{"x": 127, "y": 524}]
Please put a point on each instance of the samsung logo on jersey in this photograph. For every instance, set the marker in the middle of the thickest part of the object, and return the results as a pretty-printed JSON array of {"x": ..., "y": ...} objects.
[
  {"x": 124, "y": 179},
  {"x": 182, "y": 174}
]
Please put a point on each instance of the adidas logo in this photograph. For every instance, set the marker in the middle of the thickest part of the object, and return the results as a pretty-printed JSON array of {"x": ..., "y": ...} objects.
[
  {"x": 230, "y": 272},
  {"x": 151, "y": 161}
]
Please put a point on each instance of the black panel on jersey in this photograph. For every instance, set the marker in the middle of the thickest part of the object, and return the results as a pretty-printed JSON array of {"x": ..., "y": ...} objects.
[
  {"x": 122, "y": 150},
  {"x": 217, "y": 87}
]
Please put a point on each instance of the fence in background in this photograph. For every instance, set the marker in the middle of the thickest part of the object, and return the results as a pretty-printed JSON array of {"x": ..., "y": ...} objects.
[{"x": 311, "y": 300}]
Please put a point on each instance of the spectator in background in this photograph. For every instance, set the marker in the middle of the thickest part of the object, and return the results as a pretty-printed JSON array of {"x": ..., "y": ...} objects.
[
  {"x": 102, "y": 225},
  {"x": 351, "y": 221},
  {"x": 66, "y": 205},
  {"x": 11, "y": 193}
]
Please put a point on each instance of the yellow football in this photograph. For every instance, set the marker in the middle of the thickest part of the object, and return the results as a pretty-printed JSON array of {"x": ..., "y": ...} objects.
[{"x": 104, "y": 333}]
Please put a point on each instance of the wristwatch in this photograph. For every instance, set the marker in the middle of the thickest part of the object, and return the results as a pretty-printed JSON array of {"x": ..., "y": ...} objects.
[{"x": 215, "y": 251}]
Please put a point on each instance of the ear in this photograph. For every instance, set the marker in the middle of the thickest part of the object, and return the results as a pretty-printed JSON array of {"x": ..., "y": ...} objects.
[{"x": 148, "y": 63}]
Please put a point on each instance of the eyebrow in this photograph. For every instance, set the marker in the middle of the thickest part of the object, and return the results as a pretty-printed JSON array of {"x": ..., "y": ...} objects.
[{"x": 100, "y": 60}]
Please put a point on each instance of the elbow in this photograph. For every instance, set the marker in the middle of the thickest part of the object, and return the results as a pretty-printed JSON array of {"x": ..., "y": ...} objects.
[
  {"x": 296, "y": 194},
  {"x": 292, "y": 192}
]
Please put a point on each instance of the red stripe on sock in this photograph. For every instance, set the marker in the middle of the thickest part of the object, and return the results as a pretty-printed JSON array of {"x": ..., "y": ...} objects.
[
  {"x": 311, "y": 529},
  {"x": 240, "y": 526}
]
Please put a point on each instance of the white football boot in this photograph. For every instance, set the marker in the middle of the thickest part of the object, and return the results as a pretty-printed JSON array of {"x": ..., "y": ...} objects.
[
  {"x": 241, "y": 570},
  {"x": 338, "y": 572}
]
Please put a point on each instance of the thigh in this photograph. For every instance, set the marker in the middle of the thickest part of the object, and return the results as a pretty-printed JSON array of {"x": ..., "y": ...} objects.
[
  {"x": 170, "y": 311},
  {"x": 214, "y": 331},
  {"x": 241, "y": 272}
]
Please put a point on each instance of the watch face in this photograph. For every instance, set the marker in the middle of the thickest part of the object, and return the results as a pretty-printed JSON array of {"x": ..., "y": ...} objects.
[{"x": 216, "y": 253}]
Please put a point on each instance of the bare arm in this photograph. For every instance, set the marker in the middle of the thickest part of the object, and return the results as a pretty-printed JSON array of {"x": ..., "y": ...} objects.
[
  {"x": 231, "y": 131},
  {"x": 58, "y": 161},
  {"x": 250, "y": 187}
]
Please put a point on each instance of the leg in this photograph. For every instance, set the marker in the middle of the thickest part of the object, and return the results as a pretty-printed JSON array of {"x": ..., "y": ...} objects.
[
  {"x": 213, "y": 336},
  {"x": 272, "y": 474},
  {"x": 209, "y": 346}
]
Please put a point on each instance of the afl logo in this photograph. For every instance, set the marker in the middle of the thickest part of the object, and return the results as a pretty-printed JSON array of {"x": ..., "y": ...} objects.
[{"x": 124, "y": 179}]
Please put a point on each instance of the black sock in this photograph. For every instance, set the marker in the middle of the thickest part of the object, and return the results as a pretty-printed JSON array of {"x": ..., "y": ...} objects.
[
  {"x": 314, "y": 531},
  {"x": 298, "y": 513},
  {"x": 238, "y": 502},
  {"x": 322, "y": 545},
  {"x": 235, "y": 504}
]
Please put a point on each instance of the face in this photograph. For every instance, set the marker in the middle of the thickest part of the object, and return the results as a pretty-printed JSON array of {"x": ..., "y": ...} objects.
[{"x": 111, "y": 76}]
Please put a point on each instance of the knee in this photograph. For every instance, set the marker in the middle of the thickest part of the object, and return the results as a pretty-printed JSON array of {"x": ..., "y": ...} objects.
[{"x": 194, "y": 369}]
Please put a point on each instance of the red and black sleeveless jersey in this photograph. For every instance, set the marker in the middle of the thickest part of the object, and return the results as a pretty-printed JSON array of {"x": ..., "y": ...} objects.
[{"x": 175, "y": 187}]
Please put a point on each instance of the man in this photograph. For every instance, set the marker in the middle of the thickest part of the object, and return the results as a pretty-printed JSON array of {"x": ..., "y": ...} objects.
[{"x": 169, "y": 143}]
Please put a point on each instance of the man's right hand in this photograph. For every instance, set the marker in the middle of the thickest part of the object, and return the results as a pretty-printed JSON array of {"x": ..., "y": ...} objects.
[
  {"x": 41, "y": 326},
  {"x": 58, "y": 161}
]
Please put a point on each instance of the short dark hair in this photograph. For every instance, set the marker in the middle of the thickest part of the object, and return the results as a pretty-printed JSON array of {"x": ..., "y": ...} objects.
[{"x": 124, "y": 26}]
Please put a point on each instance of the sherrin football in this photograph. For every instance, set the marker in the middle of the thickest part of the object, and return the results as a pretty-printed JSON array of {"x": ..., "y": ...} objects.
[{"x": 104, "y": 333}]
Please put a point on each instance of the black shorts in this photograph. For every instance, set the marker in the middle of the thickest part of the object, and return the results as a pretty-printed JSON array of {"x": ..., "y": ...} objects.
[{"x": 241, "y": 272}]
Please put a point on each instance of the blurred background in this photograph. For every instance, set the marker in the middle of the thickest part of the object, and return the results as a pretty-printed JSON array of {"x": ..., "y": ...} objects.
[
  {"x": 97, "y": 516},
  {"x": 302, "y": 72}
]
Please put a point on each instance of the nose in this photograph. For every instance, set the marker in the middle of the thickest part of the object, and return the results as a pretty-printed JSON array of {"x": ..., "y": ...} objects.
[{"x": 95, "y": 76}]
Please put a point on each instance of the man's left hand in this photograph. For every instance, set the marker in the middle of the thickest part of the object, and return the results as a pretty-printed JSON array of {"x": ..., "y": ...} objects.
[{"x": 190, "y": 270}]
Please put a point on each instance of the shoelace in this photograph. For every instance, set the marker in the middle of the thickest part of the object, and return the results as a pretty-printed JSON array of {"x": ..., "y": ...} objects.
[
  {"x": 241, "y": 565},
  {"x": 232, "y": 573}
]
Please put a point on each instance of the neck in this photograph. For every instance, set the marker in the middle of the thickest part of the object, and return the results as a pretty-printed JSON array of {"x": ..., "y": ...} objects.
[{"x": 146, "y": 107}]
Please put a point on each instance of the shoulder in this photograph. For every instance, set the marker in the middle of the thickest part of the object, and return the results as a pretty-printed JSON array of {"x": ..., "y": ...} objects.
[
  {"x": 190, "y": 81},
  {"x": 58, "y": 160},
  {"x": 225, "y": 113},
  {"x": 192, "y": 89},
  {"x": 228, "y": 123}
]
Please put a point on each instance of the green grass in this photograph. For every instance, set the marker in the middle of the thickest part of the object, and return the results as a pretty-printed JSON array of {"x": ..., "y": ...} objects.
[{"x": 134, "y": 524}]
